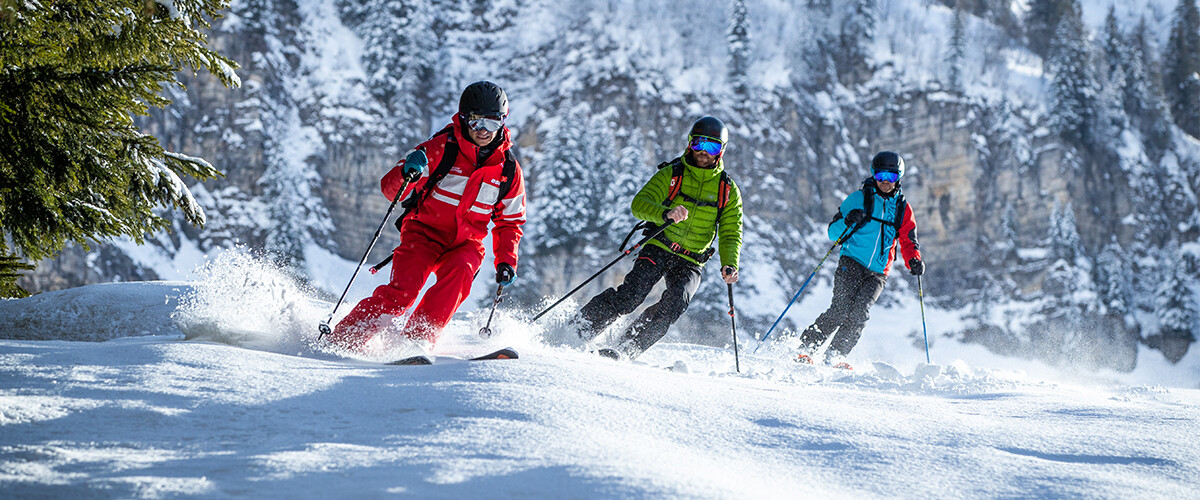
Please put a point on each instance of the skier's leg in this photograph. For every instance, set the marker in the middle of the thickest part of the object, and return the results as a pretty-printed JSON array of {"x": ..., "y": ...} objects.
[
  {"x": 412, "y": 262},
  {"x": 835, "y": 316},
  {"x": 455, "y": 270},
  {"x": 870, "y": 285},
  {"x": 683, "y": 279},
  {"x": 612, "y": 303}
]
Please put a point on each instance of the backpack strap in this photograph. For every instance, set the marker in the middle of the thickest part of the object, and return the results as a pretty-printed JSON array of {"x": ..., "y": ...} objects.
[
  {"x": 508, "y": 174},
  {"x": 449, "y": 154},
  {"x": 723, "y": 193},
  {"x": 676, "y": 179},
  {"x": 675, "y": 190},
  {"x": 868, "y": 191},
  {"x": 901, "y": 206}
]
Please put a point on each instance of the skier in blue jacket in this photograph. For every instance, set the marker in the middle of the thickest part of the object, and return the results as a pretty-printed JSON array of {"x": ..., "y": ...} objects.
[{"x": 876, "y": 219}]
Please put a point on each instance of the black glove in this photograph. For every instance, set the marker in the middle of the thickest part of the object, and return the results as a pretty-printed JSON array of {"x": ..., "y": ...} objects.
[
  {"x": 916, "y": 267},
  {"x": 855, "y": 216},
  {"x": 505, "y": 274}
]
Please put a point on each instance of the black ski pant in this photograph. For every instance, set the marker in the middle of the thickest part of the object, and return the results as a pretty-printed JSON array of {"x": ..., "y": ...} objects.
[
  {"x": 653, "y": 264},
  {"x": 855, "y": 290}
]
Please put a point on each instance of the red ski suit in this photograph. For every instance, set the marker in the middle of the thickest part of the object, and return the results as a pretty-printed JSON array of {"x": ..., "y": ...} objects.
[{"x": 442, "y": 235}]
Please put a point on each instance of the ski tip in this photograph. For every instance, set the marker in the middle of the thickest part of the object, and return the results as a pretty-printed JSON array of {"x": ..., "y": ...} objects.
[
  {"x": 505, "y": 353},
  {"x": 412, "y": 361},
  {"x": 609, "y": 354}
]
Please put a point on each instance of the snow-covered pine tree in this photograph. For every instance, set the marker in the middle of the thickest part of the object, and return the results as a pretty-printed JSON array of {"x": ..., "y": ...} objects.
[
  {"x": 1181, "y": 67},
  {"x": 287, "y": 180},
  {"x": 1175, "y": 307},
  {"x": 11, "y": 268},
  {"x": 1073, "y": 86},
  {"x": 855, "y": 36},
  {"x": 601, "y": 203},
  {"x": 1069, "y": 302},
  {"x": 957, "y": 47},
  {"x": 75, "y": 167},
  {"x": 289, "y": 184},
  {"x": 1065, "y": 243},
  {"x": 1142, "y": 96},
  {"x": 630, "y": 171},
  {"x": 556, "y": 207},
  {"x": 400, "y": 59},
  {"x": 1111, "y": 52},
  {"x": 810, "y": 60},
  {"x": 1041, "y": 23},
  {"x": 1112, "y": 47},
  {"x": 1113, "y": 277},
  {"x": 738, "y": 36}
]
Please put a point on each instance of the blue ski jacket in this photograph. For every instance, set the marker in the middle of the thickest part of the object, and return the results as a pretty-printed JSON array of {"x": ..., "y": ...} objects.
[{"x": 874, "y": 244}]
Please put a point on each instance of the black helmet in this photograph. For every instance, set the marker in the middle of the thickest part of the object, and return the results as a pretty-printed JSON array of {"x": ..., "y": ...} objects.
[
  {"x": 483, "y": 98},
  {"x": 710, "y": 127},
  {"x": 887, "y": 161}
]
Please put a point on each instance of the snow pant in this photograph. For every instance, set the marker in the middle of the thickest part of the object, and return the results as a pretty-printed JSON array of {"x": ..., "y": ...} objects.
[
  {"x": 855, "y": 290},
  {"x": 418, "y": 255},
  {"x": 653, "y": 264}
]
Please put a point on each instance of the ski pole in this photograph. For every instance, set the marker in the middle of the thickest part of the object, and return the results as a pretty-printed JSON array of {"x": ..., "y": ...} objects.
[
  {"x": 610, "y": 264},
  {"x": 486, "y": 331},
  {"x": 839, "y": 241},
  {"x": 324, "y": 326},
  {"x": 921, "y": 299},
  {"x": 736, "y": 364}
]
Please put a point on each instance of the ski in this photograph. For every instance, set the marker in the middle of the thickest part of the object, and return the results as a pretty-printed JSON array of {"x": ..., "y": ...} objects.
[
  {"x": 421, "y": 359},
  {"x": 609, "y": 353},
  {"x": 807, "y": 360},
  {"x": 506, "y": 353},
  {"x": 417, "y": 360}
]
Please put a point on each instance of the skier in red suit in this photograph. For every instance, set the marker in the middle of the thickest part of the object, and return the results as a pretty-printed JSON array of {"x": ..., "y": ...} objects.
[{"x": 447, "y": 212}]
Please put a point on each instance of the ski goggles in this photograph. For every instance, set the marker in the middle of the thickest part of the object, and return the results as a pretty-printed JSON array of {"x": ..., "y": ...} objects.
[
  {"x": 887, "y": 176},
  {"x": 707, "y": 144},
  {"x": 488, "y": 123}
]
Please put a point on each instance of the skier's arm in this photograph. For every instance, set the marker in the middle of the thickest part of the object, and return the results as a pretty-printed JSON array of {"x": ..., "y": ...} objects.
[
  {"x": 392, "y": 180},
  {"x": 838, "y": 225},
  {"x": 909, "y": 246},
  {"x": 507, "y": 216},
  {"x": 647, "y": 204},
  {"x": 729, "y": 228}
]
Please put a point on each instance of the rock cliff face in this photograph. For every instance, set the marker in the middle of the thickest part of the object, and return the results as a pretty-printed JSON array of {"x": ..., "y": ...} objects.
[{"x": 1019, "y": 230}]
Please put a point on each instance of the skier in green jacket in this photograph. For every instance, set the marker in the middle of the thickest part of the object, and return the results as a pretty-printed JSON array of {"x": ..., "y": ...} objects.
[{"x": 695, "y": 197}]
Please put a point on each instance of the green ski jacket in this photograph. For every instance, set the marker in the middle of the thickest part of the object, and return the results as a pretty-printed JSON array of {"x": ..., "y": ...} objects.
[{"x": 697, "y": 232}]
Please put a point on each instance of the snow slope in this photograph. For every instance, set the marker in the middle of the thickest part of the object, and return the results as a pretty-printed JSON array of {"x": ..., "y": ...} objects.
[{"x": 214, "y": 388}]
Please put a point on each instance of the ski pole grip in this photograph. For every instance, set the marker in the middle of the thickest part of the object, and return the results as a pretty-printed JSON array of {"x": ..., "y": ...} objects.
[{"x": 649, "y": 237}]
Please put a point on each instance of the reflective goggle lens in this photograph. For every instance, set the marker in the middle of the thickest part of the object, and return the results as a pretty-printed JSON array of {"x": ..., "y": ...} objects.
[
  {"x": 887, "y": 176},
  {"x": 488, "y": 123},
  {"x": 707, "y": 145}
]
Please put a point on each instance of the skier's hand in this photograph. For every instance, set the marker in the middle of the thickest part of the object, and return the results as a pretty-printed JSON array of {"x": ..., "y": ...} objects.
[
  {"x": 414, "y": 165},
  {"x": 505, "y": 274},
  {"x": 730, "y": 274},
  {"x": 916, "y": 267},
  {"x": 677, "y": 214},
  {"x": 855, "y": 216}
]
